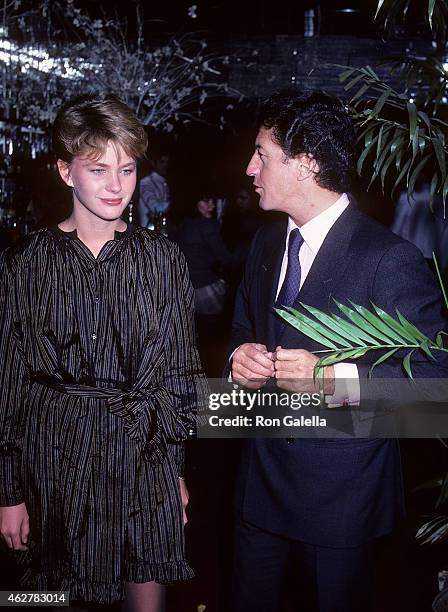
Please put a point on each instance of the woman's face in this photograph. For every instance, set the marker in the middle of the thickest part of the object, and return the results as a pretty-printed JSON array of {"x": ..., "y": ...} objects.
[
  {"x": 206, "y": 208},
  {"x": 103, "y": 187}
]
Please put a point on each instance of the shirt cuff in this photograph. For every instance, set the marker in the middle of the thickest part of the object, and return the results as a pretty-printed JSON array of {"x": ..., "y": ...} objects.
[
  {"x": 346, "y": 386},
  {"x": 229, "y": 378}
]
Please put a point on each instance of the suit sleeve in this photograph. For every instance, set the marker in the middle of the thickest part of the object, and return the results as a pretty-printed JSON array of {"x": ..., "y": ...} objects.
[
  {"x": 404, "y": 282},
  {"x": 242, "y": 323},
  {"x": 12, "y": 389}
]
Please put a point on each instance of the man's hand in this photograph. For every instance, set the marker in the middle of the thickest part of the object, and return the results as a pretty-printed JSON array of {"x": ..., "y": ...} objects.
[
  {"x": 14, "y": 526},
  {"x": 184, "y": 496},
  {"x": 294, "y": 371},
  {"x": 252, "y": 365}
]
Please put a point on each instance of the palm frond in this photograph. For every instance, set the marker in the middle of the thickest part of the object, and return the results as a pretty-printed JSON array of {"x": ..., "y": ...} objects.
[
  {"x": 434, "y": 530},
  {"x": 399, "y": 139},
  {"x": 389, "y": 13},
  {"x": 360, "y": 331}
]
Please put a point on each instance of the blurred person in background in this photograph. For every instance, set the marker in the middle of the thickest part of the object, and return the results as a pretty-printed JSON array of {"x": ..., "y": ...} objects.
[
  {"x": 209, "y": 262},
  {"x": 154, "y": 198}
]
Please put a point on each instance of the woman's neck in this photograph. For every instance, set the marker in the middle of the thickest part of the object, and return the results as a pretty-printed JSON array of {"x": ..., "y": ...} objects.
[{"x": 94, "y": 233}]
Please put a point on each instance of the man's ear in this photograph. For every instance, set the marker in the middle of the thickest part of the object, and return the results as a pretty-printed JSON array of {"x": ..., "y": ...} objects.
[
  {"x": 64, "y": 171},
  {"x": 307, "y": 166}
]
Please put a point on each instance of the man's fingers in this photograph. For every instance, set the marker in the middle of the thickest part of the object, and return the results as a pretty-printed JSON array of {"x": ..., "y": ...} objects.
[
  {"x": 260, "y": 347},
  {"x": 249, "y": 384},
  {"x": 251, "y": 354},
  {"x": 286, "y": 366},
  {"x": 252, "y": 373},
  {"x": 290, "y": 354},
  {"x": 251, "y": 369}
]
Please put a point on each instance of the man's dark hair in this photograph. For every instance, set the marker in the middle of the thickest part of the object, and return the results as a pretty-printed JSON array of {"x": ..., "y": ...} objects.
[{"x": 316, "y": 124}]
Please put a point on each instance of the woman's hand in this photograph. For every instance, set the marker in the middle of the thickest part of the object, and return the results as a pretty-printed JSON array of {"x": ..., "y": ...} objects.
[
  {"x": 184, "y": 497},
  {"x": 14, "y": 526}
]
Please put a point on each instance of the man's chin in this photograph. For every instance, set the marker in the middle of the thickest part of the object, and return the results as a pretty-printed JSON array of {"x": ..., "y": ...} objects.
[{"x": 264, "y": 205}]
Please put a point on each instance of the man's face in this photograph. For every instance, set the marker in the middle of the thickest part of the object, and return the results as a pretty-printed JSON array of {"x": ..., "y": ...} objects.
[{"x": 275, "y": 176}]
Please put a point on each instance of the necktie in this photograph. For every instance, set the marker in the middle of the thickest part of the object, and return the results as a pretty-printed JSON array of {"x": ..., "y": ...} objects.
[{"x": 291, "y": 284}]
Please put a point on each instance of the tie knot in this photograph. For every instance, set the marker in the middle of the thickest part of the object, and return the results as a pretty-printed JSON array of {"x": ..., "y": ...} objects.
[{"x": 295, "y": 242}]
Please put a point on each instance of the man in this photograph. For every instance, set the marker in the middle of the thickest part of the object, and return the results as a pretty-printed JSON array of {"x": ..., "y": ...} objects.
[
  {"x": 154, "y": 192},
  {"x": 319, "y": 502}
]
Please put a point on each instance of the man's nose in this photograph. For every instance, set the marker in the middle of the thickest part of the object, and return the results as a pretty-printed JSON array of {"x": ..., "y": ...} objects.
[
  {"x": 114, "y": 183},
  {"x": 252, "y": 167}
]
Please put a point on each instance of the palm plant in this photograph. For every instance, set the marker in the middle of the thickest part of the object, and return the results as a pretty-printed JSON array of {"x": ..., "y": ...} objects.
[
  {"x": 361, "y": 331},
  {"x": 403, "y": 134},
  {"x": 389, "y": 12}
]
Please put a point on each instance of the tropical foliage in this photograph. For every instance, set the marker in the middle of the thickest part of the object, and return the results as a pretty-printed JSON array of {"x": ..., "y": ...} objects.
[
  {"x": 399, "y": 137},
  {"x": 360, "y": 332},
  {"x": 390, "y": 12},
  {"x": 403, "y": 134}
]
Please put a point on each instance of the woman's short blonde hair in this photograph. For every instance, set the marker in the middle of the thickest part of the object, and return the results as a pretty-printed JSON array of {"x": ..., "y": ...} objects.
[{"x": 85, "y": 124}]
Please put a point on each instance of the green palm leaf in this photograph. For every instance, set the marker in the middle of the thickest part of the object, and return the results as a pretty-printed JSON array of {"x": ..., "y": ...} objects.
[
  {"x": 306, "y": 326},
  {"x": 382, "y": 359},
  {"x": 362, "y": 331},
  {"x": 382, "y": 326},
  {"x": 323, "y": 329},
  {"x": 342, "y": 336}
]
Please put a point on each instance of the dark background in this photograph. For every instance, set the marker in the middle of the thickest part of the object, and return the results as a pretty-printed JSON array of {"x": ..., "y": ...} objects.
[{"x": 203, "y": 157}]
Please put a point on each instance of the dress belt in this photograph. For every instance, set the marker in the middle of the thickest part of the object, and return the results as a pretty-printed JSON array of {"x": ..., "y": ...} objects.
[{"x": 147, "y": 414}]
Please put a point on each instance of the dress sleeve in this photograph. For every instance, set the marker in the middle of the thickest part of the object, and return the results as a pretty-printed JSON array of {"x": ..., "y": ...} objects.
[{"x": 12, "y": 385}]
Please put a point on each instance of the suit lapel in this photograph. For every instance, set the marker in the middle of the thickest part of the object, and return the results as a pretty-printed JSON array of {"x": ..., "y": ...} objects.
[{"x": 271, "y": 263}]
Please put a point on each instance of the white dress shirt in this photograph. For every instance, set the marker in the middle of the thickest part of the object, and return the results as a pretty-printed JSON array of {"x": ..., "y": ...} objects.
[{"x": 314, "y": 233}]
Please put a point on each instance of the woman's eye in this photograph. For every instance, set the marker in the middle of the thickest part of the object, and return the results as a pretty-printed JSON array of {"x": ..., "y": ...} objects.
[
  {"x": 97, "y": 170},
  {"x": 128, "y": 171}
]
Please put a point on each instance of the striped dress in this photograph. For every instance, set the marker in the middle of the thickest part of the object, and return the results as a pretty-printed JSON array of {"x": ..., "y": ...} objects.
[{"x": 99, "y": 381}]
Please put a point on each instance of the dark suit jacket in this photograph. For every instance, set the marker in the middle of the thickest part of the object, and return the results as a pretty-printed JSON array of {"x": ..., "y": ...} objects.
[{"x": 332, "y": 492}]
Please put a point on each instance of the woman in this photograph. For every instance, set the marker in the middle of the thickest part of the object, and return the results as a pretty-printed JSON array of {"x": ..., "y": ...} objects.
[{"x": 99, "y": 378}]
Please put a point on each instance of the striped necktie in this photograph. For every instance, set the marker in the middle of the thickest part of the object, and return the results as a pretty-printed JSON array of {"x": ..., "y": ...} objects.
[{"x": 291, "y": 284}]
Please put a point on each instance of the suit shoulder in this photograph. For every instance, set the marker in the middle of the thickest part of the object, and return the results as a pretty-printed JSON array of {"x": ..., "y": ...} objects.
[
  {"x": 371, "y": 235},
  {"x": 270, "y": 233}
]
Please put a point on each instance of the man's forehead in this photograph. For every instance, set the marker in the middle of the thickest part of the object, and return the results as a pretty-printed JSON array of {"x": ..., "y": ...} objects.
[{"x": 264, "y": 137}]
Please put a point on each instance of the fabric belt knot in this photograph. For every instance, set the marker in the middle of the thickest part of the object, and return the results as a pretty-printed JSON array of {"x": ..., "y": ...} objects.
[{"x": 146, "y": 413}]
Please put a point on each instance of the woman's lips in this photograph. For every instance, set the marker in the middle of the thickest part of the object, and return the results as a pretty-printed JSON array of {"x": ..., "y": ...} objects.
[{"x": 112, "y": 202}]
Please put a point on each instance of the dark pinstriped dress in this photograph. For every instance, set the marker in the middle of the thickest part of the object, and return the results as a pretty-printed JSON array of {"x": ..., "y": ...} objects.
[{"x": 99, "y": 380}]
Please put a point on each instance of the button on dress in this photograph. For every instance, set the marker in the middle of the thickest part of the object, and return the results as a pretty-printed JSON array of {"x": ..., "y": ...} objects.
[{"x": 99, "y": 382}]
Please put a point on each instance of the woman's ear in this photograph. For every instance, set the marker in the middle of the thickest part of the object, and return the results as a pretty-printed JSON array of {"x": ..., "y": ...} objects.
[{"x": 64, "y": 171}]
